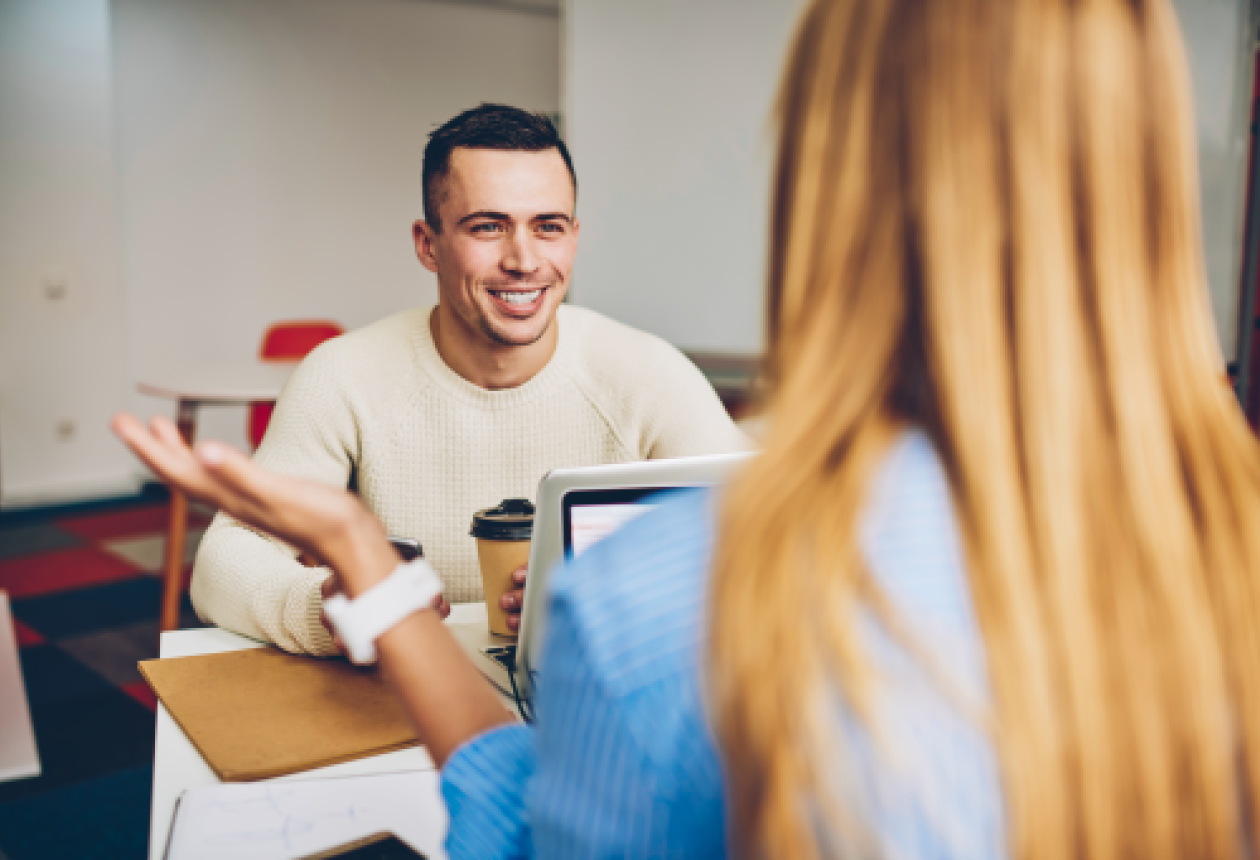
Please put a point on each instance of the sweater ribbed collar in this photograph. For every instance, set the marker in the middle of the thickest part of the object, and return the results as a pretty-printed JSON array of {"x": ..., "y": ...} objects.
[{"x": 432, "y": 365}]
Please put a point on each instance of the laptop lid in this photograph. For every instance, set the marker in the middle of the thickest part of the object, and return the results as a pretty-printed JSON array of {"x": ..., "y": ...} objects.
[{"x": 578, "y": 507}]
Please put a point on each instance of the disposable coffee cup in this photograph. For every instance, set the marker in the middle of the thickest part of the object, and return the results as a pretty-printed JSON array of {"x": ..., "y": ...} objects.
[{"x": 503, "y": 534}]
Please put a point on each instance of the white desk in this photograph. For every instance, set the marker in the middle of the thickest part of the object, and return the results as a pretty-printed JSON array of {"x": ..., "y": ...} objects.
[
  {"x": 19, "y": 757},
  {"x": 189, "y": 388},
  {"x": 177, "y": 766},
  {"x": 221, "y": 383}
]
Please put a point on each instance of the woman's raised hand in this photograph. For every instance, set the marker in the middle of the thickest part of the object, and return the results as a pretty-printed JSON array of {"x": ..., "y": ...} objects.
[{"x": 327, "y": 523}]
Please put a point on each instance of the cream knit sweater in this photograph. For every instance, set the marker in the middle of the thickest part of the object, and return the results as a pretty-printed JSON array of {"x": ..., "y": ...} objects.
[{"x": 377, "y": 410}]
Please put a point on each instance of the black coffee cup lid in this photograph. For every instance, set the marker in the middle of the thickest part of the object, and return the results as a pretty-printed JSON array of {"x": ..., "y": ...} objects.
[{"x": 513, "y": 519}]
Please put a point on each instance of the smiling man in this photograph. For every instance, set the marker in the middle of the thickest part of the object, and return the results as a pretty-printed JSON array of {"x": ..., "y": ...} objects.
[{"x": 435, "y": 413}]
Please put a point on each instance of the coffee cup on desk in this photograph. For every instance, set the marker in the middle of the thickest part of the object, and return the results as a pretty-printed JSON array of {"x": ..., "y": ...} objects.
[{"x": 503, "y": 534}]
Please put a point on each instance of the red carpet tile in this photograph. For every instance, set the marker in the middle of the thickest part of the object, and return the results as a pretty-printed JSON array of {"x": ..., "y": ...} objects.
[
  {"x": 62, "y": 570},
  {"x": 127, "y": 523},
  {"x": 25, "y": 635},
  {"x": 142, "y": 693}
]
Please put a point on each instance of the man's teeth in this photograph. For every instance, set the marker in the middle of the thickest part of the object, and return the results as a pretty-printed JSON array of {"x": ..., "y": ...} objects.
[{"x": 518, "y": 298}]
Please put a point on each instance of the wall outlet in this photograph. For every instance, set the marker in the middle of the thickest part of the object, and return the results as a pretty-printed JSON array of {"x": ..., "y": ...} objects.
[{"x": 55, "y": 287}]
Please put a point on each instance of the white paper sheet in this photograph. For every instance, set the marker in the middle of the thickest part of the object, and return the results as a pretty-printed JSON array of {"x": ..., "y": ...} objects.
[{"x": 278, "y": 820}]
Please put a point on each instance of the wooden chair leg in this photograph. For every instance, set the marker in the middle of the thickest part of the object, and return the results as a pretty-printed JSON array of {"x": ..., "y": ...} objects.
[{"x": 177, "y": 530}]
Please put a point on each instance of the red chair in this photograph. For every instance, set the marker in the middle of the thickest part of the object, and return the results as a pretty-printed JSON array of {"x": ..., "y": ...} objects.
[{"x": 286, "y": 341}]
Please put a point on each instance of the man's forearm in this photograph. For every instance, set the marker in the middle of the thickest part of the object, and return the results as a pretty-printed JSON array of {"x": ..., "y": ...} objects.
[{"x": 251, "y": 584}]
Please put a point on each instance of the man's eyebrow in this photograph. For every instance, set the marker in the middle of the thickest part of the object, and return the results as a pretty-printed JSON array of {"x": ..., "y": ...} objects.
[
  {"x": 502, "y": 216},
  {"x": 494, "y": 216}
]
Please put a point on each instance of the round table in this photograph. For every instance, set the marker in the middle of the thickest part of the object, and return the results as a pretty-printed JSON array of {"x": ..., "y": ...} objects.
[{"x": 246, "y": 382}]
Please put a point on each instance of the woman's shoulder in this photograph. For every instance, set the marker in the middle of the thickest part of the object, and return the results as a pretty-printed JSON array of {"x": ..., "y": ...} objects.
[
  {"x": 911, "y": 541},
  {"x": 639, "y": 597}
]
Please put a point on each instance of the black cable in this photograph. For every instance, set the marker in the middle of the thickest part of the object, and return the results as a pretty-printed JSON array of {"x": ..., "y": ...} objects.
[{"x": 522, "y": 703}]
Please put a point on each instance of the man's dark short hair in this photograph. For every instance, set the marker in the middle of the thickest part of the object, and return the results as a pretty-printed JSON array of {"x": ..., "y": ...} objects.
[{"x": 487, "y": 126}]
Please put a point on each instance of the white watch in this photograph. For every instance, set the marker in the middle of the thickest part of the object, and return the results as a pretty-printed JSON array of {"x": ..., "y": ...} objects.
[{"x": 360, "y": 622}]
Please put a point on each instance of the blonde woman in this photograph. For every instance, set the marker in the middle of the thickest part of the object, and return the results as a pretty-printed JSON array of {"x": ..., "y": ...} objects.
[{"x": 991, "y": 589}]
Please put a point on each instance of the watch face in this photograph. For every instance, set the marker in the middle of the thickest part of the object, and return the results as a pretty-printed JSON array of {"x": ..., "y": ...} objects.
[{"x": 408, "y": 549}]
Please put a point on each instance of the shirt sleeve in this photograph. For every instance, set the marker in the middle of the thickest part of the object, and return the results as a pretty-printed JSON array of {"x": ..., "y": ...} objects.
[
  {"x": 249, "y": 583},
  {"x": 484, "y": 785},
  {"x": 576, "y": 784}
]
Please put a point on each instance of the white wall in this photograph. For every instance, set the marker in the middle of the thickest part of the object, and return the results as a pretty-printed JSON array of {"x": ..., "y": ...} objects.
[
  {"x": 1218, "y": 38},
  {"x": 667, "y": 110},
  {"x": 198, "y": 169},
  {"x": 270, "y": 153},
  {"x": 63, "y": 367},
  {"x": 667, "y": 113}
]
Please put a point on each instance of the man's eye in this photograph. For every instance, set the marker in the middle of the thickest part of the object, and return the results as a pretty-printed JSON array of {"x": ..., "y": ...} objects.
[
  {"x": 551, "y": 227},
  {"x": 487, "y": 227}
]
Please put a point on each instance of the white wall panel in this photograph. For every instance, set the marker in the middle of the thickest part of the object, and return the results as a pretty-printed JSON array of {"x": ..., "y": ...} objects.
[
  {"x": 63, "y": 368},
  {"x": 668, "y": 109},
  {"x": 1219, "y": 36}
]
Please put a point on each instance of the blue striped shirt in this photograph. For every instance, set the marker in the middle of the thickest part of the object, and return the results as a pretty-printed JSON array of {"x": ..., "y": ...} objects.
[{"x": 622, "y": 761}]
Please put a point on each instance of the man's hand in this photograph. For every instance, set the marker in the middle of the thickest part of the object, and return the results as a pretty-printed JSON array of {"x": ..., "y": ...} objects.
[{"x": 512, "y": 602}]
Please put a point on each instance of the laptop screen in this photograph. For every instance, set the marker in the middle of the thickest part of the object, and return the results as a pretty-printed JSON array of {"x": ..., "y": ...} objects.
[{"x": 592, "y": 515}]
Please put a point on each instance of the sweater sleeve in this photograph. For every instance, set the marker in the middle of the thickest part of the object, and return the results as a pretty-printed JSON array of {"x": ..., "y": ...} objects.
[{"x": 250, "y": 583}]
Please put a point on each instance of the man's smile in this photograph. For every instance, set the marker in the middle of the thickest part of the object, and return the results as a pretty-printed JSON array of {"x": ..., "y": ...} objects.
[{"x": 518, "y": 302}]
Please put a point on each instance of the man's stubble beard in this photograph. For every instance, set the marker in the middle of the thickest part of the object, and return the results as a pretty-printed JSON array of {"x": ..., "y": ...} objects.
[{"x": 487, "y": 328}]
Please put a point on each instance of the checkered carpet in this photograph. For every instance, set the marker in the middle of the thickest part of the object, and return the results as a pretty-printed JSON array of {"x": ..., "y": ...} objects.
[{"x": 85, "y": 592}]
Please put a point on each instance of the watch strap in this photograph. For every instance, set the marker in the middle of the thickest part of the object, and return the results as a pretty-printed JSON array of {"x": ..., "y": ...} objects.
[{"x": 360, "y": 622}]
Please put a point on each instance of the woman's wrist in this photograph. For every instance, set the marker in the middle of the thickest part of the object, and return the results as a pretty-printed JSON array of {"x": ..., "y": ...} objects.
[{"x": 359, "y": 552}]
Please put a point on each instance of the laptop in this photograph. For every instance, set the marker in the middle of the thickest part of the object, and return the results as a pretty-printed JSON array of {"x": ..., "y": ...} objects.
[{"x": 577, "y": 508}]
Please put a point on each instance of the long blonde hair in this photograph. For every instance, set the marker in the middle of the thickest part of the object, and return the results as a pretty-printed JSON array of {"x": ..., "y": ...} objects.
[{"x": 985, "y": 224}]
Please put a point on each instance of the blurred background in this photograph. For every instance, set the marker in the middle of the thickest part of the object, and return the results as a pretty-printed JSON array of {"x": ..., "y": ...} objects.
[{"x": 177, "y": 175}]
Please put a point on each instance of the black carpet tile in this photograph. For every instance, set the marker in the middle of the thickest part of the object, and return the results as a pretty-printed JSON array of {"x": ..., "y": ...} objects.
[
  {"x": 100, "y": 819},
  {"x": 83, "y": 738},
  {"x": 81, "y": 611},
  {"x": 32, "y": 538}
]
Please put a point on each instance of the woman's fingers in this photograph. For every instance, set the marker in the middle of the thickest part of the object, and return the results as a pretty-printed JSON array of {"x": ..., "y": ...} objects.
[
  {"x": 311, "y": 516},
  {"x": 162, "y": 448},
  {"x": 170, "y": 459},
  {"x": 247, "y": 479},
  {"x": 296, "y": 510},
  {"x": 167, "y": 433}
]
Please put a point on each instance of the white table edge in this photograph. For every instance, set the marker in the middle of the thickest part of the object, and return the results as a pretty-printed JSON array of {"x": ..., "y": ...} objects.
[{"x": 177, "y": 766}]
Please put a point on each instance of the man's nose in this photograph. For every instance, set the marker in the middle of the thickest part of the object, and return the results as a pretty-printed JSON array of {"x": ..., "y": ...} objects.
[{"x": 522, "y": 257}]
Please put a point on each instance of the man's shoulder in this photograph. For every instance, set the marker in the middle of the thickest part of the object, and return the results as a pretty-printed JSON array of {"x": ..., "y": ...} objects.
[
  {"x": 384, "y": 346},
  {"x": 608, "y": 350}
]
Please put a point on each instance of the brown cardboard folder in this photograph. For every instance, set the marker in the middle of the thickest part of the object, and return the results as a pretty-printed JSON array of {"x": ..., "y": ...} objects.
[{"x": 261, "y": 712}]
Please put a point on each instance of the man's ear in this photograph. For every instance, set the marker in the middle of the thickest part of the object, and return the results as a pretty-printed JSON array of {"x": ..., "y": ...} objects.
[{"x": 425, "y": 237}]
